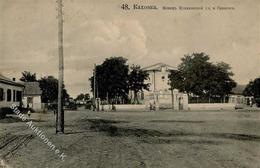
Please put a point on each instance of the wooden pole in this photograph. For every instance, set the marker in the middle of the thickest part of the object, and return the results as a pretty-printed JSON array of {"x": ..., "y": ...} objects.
[
  {"x": 60, "y": 115},
  {"x": 97, "y": 86},
  {"x": 94, "y": 88},
  {"x": 172, "y": 98}
]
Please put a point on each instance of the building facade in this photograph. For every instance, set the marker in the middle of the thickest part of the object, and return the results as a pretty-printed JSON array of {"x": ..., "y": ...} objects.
[
  {"x": 32, "y": 96},
  {"x": 10, "y": 93},
  {"x": 159, "y": 94},
  {"x": 158, "y": 76}
]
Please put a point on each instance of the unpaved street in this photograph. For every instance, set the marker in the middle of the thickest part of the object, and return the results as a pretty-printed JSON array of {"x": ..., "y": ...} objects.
[{"x": 165, "y": 139}]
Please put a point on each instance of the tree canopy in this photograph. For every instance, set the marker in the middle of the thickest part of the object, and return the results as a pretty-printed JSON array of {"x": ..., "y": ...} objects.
[
  {"x": 253, "y": 88},
  {"x": 83, "y": 97},
  {"x": 111, "y": 79},
  {"x": 198, "y": 76},
  {"x": 28, "y": 77},
  {"x": 136, "y": 80},
  {"x": 49, "y": 87}
]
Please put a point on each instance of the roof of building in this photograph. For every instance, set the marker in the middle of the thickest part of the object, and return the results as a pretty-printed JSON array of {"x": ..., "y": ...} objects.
[
  {"x": 6, "y": 80},
  {"x": 32, "y": 88},
  {"x": 238, "y": 90},
  {"x": 158, "y": 67}
]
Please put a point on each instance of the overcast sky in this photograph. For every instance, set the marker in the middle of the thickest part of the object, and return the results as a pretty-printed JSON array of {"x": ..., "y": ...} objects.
[{"x": 96, "y": 29}]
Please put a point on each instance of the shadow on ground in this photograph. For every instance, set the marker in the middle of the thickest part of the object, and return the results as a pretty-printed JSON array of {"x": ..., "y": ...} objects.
[
  {"x": 178, "y": 121},
  {"x": 154, "y": 136},
  {"x": 12, "y": 119}
]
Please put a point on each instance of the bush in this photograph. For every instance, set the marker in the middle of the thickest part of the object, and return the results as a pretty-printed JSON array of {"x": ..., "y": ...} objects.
[
  {"x": 113, "y": 107},
  {"x": 72, "y": 106},
  {"x": 88, "y": 105},
  {"x": 257, "y": 101},
  {"x": 53, "y": 106},
  {"x": 2, "y": 113}
]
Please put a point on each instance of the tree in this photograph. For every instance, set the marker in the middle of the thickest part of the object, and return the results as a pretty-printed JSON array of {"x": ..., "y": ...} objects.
[
  {"x": 83, "y": 97},
  {"x": 222, "y": 79},
  {"x": 136, "y": 80},
  {"x": 28, "y": 77},
  {"x": 87, "y": 97},
  {"x": 80, "y": 97},
  {"x": 111, "y": 79},
  {"x": 249, "y": 89},
  {"x": 176, "y": 80},
  {"x": 253, "y": 88},
  {"x": 49, "y": 87},
  {"x": 198, "y": 76}
]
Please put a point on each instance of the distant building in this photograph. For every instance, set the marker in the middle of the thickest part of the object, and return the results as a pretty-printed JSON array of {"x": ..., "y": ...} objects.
[
  {"x": 238, "y": 90},
  {"x": 158, "y": 76},
  {"x": 237, "y": 96},
  {"x": 32, "y": 95},
  {"x": 159, "y": 94}
]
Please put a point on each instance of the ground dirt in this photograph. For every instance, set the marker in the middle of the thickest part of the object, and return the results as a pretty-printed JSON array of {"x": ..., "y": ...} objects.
[{"x": 144, "y": 139}]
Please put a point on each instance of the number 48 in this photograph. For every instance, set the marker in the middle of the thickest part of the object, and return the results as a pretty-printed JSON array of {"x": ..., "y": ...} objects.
[{"x": 125, "y": 7}]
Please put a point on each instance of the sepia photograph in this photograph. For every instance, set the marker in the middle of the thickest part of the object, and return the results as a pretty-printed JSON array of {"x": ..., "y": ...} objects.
[{"x": 129, "y": 84}]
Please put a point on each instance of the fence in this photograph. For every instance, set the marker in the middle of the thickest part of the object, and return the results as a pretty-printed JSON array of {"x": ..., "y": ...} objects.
[{"x": 194, "y": 100}]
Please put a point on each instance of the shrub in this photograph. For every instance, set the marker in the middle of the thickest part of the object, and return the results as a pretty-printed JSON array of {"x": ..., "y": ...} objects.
[
  {"x": 2, "y": 113},
  {"x": 88, "y": 105},
  {"x": 257, "y": 101}
]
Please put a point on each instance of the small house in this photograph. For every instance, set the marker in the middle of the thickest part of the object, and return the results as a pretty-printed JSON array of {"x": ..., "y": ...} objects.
[{"x": 32, "y": 96}]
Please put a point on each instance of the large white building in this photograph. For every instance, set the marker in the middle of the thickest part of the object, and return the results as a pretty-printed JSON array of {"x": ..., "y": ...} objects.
[
  {"x": 158, "y": 76},
  {"x": 159, "y": 92}
]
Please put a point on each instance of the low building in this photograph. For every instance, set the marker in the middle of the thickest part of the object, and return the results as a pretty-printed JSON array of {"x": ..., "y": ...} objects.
[
  {"x": 238, "y": 98},
  {"x": 10, "y": 93},
  {"x": 32, "y": 96}
]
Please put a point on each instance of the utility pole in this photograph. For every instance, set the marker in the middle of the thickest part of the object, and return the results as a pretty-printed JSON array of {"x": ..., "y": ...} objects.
[
  {"x": 97, "y": 96},
  {"x": 60, "y": 113},
  {"x": 172, "y": 98},
  {"x": 94, "y": 88}
]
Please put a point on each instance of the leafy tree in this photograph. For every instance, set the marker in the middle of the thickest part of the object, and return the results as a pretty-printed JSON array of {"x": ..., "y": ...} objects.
[
  {"x": 87, "y": 97},
  {"x": 28, "y": 76},
  {"x": 136, "y": 81},
  {"x": 197, "y": 75},
  {"x": 194, "y": 69},
  {"x": 176, "y": 80},
  {"x": 222, "y": 79},
  {"x": 80, "y": 97},
  {"x": 49, "y": 87},
  {"x": 111, "y": 79},
  {"x": 83, "y": 97},
  {"x": 253, "y": 88}
]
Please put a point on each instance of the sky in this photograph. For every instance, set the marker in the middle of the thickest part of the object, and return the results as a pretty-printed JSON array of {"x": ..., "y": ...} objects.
[{"x": 97, "y": 29}]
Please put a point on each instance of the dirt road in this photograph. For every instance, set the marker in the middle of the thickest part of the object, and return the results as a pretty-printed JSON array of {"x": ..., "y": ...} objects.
[{"x": 228, "y": 139}]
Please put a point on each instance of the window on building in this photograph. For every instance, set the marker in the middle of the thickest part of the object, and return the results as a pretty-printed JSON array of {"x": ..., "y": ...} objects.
[
  {"x": 2, "y": 94},
  {"x": 14, "y": 96},
  {"x": 9, "y": 95},
  {"x": 18, "y": 96},
  {"x": 163, "y": 77}
]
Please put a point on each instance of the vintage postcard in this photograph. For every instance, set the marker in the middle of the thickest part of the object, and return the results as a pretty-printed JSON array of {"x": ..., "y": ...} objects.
[{"x": 129, "y": 83}]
